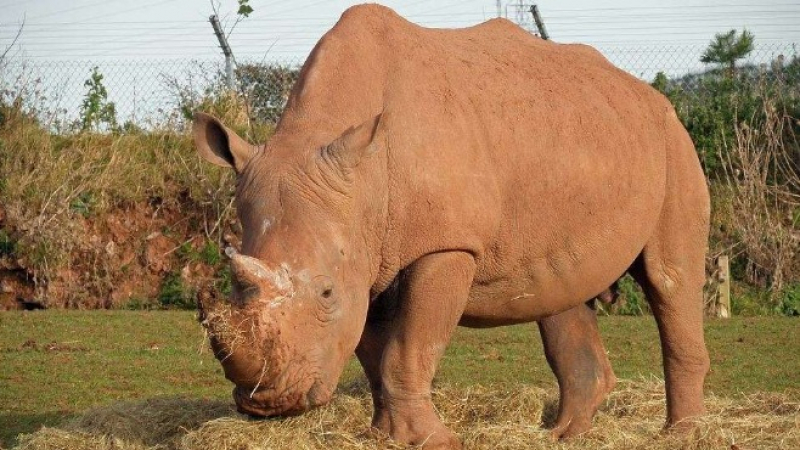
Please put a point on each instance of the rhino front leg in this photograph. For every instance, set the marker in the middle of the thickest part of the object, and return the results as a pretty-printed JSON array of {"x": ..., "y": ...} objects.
[
  {"x": 576, "y": 354},
  {"x": 432, "y": 295},
  {"x": 380, "y": 317},
  {"x": 370, "y": 352}
]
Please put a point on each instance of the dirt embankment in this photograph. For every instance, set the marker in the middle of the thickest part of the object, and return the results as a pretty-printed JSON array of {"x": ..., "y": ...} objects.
[{"x": 145, "y": 255}]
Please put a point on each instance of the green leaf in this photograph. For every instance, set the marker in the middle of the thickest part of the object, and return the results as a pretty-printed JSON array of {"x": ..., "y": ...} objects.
[{"x": 244, "y": 8}]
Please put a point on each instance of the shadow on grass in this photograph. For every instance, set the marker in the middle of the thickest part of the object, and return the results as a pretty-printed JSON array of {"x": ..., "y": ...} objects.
[
  {"x": 12, "y": 425},
  {"x": 155, "y": 421},
  {"x": 549, "y": 414}
]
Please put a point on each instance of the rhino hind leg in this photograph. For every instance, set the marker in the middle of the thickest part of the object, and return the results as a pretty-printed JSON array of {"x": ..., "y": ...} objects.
[
  {"x": 671, "y": 271},
  {"x": 674, "y": 290},
  {"x": 579, "y": 361}
]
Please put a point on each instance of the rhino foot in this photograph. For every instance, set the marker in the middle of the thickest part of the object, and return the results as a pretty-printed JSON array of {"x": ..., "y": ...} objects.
[
  {"x": 427, "y": 435},
  {"x": 575, "y": 415},
  {"x": 576, "y": 354}
]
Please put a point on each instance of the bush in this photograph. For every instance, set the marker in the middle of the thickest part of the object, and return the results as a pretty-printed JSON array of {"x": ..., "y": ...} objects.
[
  {"x": 97, "y": 112},
  {"x": 711, "y": 104},
  {"x": 764, "y": 187},
  {"x": 176, "y": 294},
  {"x": 7, "y": 245},
  {"x": 267, "y": 88},
  {"x": 632, "y": 301},
  {"x": 744, "y": 126},
  {"x": 252, "y": 111},
  {"x": 210, "y": 253},
  {"x": 789, "y": 303}
]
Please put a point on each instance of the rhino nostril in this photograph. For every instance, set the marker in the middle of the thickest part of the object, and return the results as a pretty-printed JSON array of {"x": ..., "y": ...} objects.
[{"x": 327, "y": 292}]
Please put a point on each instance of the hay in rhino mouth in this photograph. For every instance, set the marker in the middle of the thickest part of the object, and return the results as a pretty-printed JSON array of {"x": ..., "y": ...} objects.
[{"x": 218, "y": 323}]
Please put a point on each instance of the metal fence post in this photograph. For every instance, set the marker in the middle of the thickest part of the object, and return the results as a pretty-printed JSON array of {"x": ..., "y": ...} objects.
[
  {"x": 226, "y": 50},
  {"x": 539, "y": 22}
]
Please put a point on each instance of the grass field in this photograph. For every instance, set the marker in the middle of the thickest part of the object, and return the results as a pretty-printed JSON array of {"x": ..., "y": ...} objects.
[{"x": 56, "y": 364}]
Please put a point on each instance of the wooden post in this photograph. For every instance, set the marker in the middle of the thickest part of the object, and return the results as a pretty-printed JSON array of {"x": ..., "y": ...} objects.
[{"x": 724, "y": 288}]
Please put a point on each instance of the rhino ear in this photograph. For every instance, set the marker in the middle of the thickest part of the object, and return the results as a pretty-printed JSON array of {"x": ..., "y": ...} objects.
[
  {"x": 357, "y": 142},
  {"x": 219, "y": 145}
]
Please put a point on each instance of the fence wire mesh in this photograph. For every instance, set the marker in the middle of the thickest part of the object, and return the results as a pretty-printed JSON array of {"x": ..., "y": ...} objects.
[{"x": 148, "y": 93}]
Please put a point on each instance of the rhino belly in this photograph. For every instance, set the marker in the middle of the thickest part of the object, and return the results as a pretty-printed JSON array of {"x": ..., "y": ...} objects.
[
  {"x": 540, "y": 293},
  {"x": 527, "y": 284}
]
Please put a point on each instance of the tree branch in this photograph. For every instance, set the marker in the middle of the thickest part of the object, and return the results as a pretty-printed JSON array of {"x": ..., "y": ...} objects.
[{"x": 13, "y": 42}]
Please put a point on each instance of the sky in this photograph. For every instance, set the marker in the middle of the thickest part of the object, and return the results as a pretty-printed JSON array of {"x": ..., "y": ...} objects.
[
  {"x": 141, "y": 45},
  {"x": 287, "y": 30}
]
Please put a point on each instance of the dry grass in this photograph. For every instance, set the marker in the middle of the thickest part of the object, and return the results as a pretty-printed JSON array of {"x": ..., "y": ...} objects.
[
  {"x": 51, "y": 182},
  {"x": 59, "y": 193},
  {"x": 60, "y": 187},
  {"x": 485, "y": 418},
  {"x": 763, "y": 191}
]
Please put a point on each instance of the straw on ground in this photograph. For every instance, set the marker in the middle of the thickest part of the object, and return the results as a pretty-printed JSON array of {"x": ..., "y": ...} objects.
[{"x": 498, "y": 417}]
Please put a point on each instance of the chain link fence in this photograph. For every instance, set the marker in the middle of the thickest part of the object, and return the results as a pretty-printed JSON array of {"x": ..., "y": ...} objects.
[{"x": 148, "y": 93}]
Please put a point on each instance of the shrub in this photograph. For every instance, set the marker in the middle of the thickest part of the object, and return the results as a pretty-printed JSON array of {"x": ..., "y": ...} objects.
[
  {"x": 176, "y": 294},
  {"x": 205, "y": 90},
  {"x": 210, "y": 253},
  {"x": 139, "y": 304},
  {"x": 266, "y": 88},
  {"x": 632, "y": 301},
  {"x": 712, "y": 103},
  {"x": 763, "y": 184},
  {"x": 789, "y": 303},
  {"x": 7, "y": 245},
  {"x": 97, "y": 112}
]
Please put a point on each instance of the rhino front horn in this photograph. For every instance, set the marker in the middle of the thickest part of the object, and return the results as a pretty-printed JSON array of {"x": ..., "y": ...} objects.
[{"x": 248, "y": 272}]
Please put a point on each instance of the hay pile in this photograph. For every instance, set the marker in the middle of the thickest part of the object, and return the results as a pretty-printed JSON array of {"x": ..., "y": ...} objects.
[{"x": 485, "y": 418}]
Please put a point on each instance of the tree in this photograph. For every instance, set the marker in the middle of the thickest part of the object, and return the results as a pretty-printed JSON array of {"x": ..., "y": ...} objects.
[
  {"x": 13, "y": 42},
  {"x": 96, "y": 109},
  {"x": 727, "y": 48},
  {"x": 244, "y": 8},
  {"x": 242, "y": 13}
]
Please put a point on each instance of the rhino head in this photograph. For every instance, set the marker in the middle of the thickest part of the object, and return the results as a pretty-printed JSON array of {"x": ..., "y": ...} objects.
[{"x": 301, "y": 283}]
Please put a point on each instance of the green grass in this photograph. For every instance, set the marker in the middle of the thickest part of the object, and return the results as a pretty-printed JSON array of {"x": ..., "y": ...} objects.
[{"x": 83, "y": 359}]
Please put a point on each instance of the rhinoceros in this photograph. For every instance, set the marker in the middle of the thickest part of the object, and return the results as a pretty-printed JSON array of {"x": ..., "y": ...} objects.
[{"x": 421, "y": 179}]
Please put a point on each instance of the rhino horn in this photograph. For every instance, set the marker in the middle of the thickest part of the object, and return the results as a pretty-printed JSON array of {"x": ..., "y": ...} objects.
[
  {"x": 249, "y": 272},
  {"x": 355, "y": 143}
]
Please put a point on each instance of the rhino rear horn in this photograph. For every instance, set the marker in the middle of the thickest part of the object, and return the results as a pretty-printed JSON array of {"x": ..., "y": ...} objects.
[{"x": 355, "y": 143}]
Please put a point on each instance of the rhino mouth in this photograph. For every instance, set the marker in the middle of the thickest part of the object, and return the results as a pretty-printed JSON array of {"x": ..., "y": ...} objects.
[{"x": 263, "y": 402}]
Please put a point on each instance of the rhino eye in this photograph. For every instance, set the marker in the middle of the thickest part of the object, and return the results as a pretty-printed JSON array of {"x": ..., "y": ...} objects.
[{"x": 325, "y": 289}]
